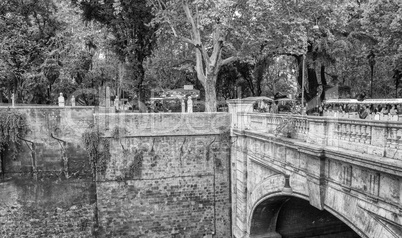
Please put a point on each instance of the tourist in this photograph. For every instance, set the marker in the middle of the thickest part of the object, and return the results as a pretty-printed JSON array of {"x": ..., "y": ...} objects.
[
  {"x": 365, "y": 111},
  {"x": 384, "y": 110},
  {"x": 393, "y": 111}
]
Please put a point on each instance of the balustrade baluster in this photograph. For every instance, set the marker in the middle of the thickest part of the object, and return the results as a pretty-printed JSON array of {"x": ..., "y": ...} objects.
[
  {"x": 359, "y": 133},
  {"x": 301, "y": 126},
  {"x": 389, "y": 137},
  {"x": 368, "y": 135},
  {"x": 342, "y": 132},
  {"x": 307, "y": 126},
  {"x": 394, "y": 138},
  {"x": 353, "y": 133},
  {"x": 363, "y": 136},
  {"x": 338, "y": 130},
  {"x": 300, "y": 123},
  {"x": 347, "y": 132}
]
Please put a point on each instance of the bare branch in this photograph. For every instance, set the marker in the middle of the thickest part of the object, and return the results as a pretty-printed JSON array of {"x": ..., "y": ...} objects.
[
  {"x": 204, "y": 54},
  {"x": 196, "y": 33},
  {"x": 182, "y": 38},
  {"x": 216, "y": 53},
  {"x": 229, "y": 60},
  {"x": 189, "y": 16}
]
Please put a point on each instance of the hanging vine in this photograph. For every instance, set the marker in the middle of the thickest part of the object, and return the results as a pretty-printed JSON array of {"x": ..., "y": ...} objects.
[
  {"x": 13, "y": 127},
  {"x": 98, "y": 149}
]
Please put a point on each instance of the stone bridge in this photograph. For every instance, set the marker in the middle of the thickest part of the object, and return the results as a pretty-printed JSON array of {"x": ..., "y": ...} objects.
[{"x": 335, "y": 177}]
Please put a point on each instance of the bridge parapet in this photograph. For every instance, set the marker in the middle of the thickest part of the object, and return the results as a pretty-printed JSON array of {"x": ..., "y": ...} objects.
[
  {"x": 382, "y": 138},
  {"x": 373, "y": 137}
]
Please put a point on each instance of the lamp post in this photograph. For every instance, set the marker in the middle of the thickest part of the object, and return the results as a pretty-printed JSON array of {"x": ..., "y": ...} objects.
[
  {"x": 371, "y": 60},
  {"x": 303, "y": 82}
]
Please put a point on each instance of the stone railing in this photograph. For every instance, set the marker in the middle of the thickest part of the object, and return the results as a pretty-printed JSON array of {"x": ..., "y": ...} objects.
[
  {"x": 268, "y": 122},
  {"x": 371, "y": 116},
  {"x": 374, "y": 137}
]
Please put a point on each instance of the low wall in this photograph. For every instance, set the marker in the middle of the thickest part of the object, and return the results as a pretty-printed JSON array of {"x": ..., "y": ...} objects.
[{"x": 167, "y": 176}]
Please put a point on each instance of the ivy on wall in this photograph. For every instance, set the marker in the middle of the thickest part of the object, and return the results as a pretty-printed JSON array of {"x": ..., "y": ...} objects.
[
  {"x": 98, "y": 149},
  {"x": 13, "y": 127}
]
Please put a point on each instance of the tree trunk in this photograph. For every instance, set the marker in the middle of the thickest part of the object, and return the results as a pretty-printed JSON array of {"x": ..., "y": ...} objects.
[
  {"x": 323, "y": 82},
  {"x": 210, "y": 93},
  {"x": 312, "y": 83}
]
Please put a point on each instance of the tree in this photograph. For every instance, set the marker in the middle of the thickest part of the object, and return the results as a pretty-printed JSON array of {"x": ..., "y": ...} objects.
[
  {"x": 26, "y": 28},
  {"x": 207, "y": 26},
  {"x": 133, "y": 37},
  {"x": 382, "y": 20}
]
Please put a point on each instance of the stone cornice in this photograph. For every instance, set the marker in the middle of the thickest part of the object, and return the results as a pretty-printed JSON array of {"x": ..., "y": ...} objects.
[{"x": 372, "y": 162}]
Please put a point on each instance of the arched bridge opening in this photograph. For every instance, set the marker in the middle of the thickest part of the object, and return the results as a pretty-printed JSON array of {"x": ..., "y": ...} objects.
[{"x": 292, "y": 217}]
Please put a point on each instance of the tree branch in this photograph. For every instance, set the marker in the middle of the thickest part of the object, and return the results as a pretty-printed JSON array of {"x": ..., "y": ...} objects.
[
  {"x": 191, "y": 20},
  {"x": 204, "y": 54},
  {"x": 182, "y": 38},
  {"x": 199, "y": 68},
  {"x": 218, "y": 42},
  {"x": 229, "y": 60}
]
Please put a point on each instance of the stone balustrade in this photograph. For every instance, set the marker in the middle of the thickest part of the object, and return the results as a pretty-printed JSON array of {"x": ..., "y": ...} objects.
[
  {"x": 355, "y": 115},
  {"x": 374, "y": 137}
]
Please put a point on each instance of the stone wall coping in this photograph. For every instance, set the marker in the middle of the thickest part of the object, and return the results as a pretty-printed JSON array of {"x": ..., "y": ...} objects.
[
  {"x": 47, "y": 107},
  {"x": 159, "y": 114}
]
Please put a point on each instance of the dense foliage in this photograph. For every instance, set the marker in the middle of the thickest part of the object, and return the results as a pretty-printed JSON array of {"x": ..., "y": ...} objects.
[{"x": 226, "y": 48}]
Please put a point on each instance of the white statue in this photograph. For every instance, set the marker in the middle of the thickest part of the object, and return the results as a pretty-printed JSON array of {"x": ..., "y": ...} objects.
[
  {"x": 183, "y": 106},
  {"x": 73, "y": 101},
  {"x": 189, "y": 105},
  {"x": 61, "y": 100}
]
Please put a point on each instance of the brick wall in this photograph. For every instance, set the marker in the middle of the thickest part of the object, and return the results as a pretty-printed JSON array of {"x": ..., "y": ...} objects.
[
  {"x": 158, "y": 183},
  {"x": 47, "y": 191},
  {"x": 166, "y": 182}
]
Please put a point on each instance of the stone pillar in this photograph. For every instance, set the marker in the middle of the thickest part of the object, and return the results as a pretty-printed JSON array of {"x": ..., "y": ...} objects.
[
  {"x": 73, "y": 101},
  {"x": 61, "y": 100},
  {"x": 240, "y": 222},
  {"x": 317, "y": 133},
  {"x": 189, "y": 105},
  {"x": 237, "y": 107}
]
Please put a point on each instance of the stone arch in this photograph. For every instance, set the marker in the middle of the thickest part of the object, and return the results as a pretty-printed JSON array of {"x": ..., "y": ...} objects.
[{"x": 276, "y": 201}]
